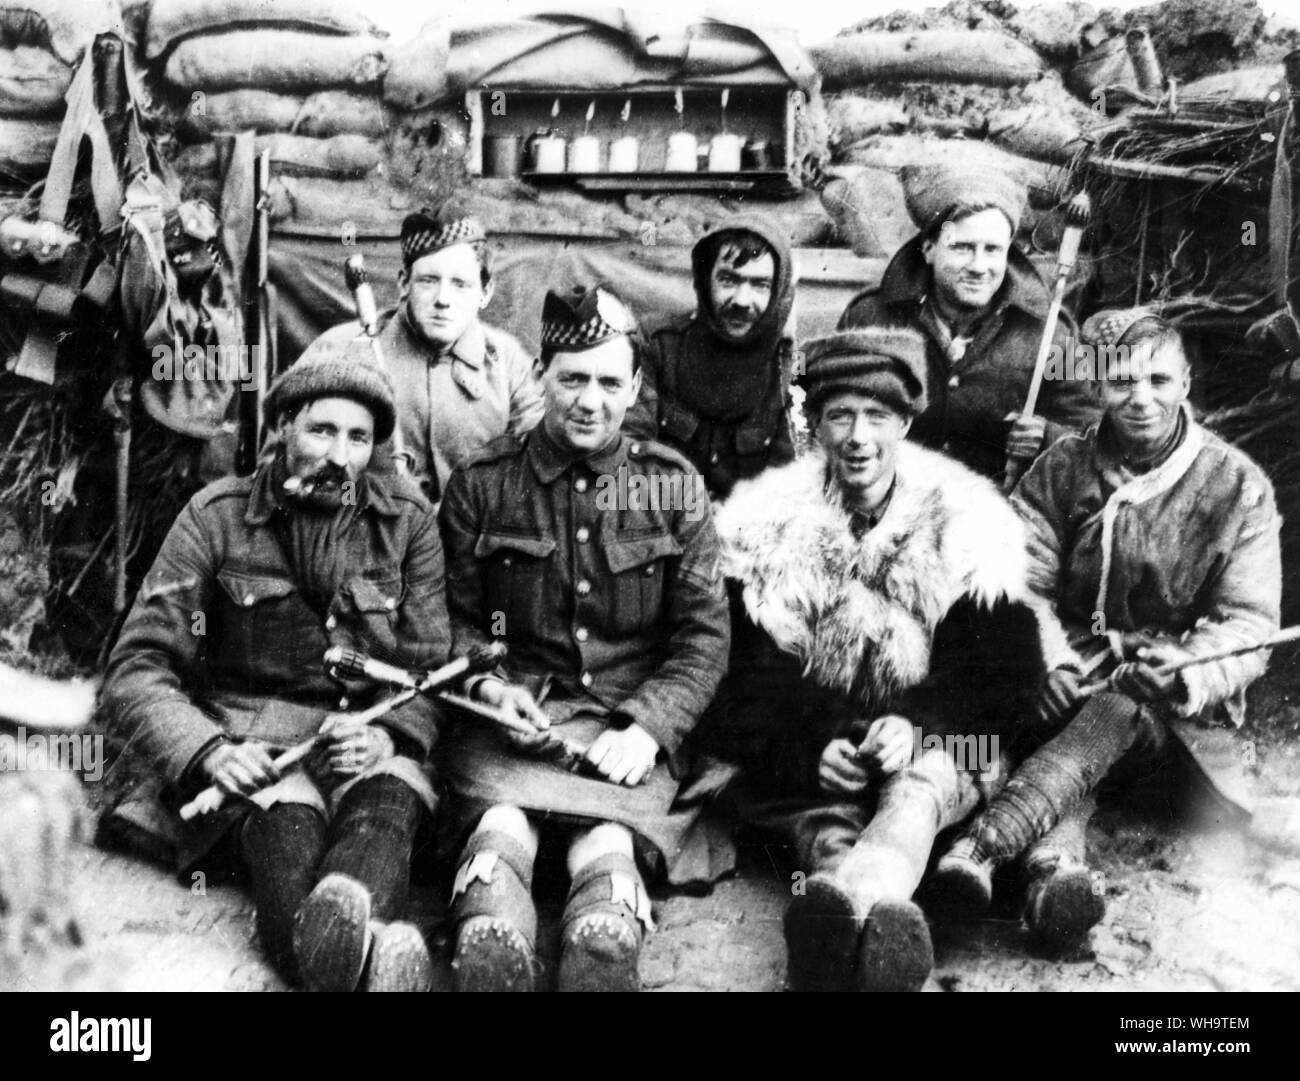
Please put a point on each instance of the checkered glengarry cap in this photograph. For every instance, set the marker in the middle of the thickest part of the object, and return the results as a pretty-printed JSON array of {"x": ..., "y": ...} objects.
[
  {"x": 425, "y": 231},
  {"x": 583, "y": 317},
  {"x": 1108, "y": 326}
]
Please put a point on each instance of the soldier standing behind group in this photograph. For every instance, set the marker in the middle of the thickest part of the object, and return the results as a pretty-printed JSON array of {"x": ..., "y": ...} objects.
[
  {"x": 980, "y": 306},
  {"x": 716, "y": 384},
  {"x": 460, "y": 383}
]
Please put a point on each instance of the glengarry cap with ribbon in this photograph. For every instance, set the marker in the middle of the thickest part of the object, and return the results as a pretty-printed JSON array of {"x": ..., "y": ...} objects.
[
  {"x": 582, "y": 317},
  {"x": 426, "y": 231},
  {"x": 1108, "y": 326}
]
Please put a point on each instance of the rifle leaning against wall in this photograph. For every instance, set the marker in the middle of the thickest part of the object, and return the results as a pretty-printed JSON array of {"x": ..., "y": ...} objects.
[{"x": 259, "y": 322}]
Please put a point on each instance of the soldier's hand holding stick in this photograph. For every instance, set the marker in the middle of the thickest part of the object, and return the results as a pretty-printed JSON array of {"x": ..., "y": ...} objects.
[
  {"x": 1288, "y": 634},
  {"x": 349, "y": 663},
  {"x": 1076, "y": 221}
]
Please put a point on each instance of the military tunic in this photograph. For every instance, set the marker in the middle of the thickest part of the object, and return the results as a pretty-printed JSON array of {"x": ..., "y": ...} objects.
[{"x": 601, "y": 575}]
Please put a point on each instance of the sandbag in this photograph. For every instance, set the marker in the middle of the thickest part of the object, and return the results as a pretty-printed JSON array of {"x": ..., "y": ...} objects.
[
  {"x": 896, "y": 152},
  {"x": 1244, "y": 84},
  {"x": 417, "y": 71},
  {"x": 325, "y": 113},
  {"x": 977, "y": 56},
  {"x": 343, "y": 156},
  {"x": 335, "y": 207},
  {"x": 869, "y": 211},
  {"x": 852, "y": 118},
  {"x": 1106, "y": 65},
  {"x": 32, "y": 82},
  {"x": 64, "y": 27},
  {"x": 26, "y": 146},
  {"x": 428, "y": 151},
  {"x": 684, "y": 218},
  {"x": 275, "y": 60},
  {"x": 1033, "y": 132},
  {"x": 338, "y": 112},
  {"x": 171, "y": 20},
  {"x": 1055, "y": 29}
]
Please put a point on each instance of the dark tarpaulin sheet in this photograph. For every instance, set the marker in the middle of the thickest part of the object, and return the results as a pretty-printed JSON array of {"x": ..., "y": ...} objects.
[
  {"x": 655, "y": 281},
  {"x": 613, "y": 48}
]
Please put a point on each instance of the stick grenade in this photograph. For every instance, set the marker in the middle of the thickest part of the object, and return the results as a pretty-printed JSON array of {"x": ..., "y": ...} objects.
[
  {"x": 348, "y": 663},
  {"x": 1077, "y": 216},
  {"x": 568, "y": 756},
  {"x": 1290, "y": 634},
  {"x": 357, "y": 278},
  {"x": 477, "y": 660}
]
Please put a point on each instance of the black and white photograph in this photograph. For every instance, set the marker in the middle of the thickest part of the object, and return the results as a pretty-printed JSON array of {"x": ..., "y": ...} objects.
[{"x": 543, "y": 496}]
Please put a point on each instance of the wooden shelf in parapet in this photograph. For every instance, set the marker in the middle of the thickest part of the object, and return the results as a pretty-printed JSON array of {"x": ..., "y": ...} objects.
[
  {"x": 759, "y": 113},
  {"x": 775, "y": 183}
]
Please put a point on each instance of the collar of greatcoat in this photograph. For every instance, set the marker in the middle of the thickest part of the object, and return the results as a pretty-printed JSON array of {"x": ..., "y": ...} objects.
[
  {"x": 909, "y": 279},
  {"x": 467, "y": 355}
]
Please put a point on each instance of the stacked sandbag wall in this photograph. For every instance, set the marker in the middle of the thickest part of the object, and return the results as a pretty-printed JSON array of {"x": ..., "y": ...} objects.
[
  {"x": 348, "y": 115},
  {"x": 41, "y": 44},
  {"x": 1020, "y": 89}
]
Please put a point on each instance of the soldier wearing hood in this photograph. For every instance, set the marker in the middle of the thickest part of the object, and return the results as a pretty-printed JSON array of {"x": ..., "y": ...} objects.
[{"x": 716, "y": 383}]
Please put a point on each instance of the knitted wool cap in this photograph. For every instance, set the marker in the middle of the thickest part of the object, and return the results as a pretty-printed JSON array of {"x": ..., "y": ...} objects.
[
  {"x": 426, "y": 231},
  {"x": 886, "y": 362},
  {"x": 932, "y": 192},
  {"x": 582, "y": 317},
  {"x": 349, "y": 373}
]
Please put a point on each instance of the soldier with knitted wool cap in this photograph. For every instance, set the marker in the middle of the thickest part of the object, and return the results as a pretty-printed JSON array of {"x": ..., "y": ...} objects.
[
  {"x": 980, "y": 306},
  {"x": 314, "y": 550}
]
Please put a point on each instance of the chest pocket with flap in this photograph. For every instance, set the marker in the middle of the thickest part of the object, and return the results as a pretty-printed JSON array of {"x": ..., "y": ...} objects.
[
  {"x": 517, "y": 571},
  {"x": 638, "y": 563},
  {"x": 264, "y": 624}
]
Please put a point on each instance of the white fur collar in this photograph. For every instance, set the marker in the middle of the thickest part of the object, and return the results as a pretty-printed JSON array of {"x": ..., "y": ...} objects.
[{"x": 861, "y": 614}]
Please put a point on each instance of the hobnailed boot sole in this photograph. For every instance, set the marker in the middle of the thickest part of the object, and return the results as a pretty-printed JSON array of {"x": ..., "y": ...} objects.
[
  {"x": 822, "y": 930},
  {"x": 491, "y": 955},
  {"x": 960, "y": 890},
  {"x": 331, "y": 934},
  {"x": 896, "y": 953},
  {"x": 399, "y": 959},
  {"x": 599, "y": 954},
  {"x": 1064, "y": 909}
]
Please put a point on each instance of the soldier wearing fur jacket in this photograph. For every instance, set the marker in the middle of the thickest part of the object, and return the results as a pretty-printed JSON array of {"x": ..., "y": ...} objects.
[{"x": 889, "y": 636}]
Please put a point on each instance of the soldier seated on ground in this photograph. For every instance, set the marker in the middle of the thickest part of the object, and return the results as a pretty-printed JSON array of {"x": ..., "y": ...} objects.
[
  {"x": 1154, "y": 542},
  {"x": 886, "y": 609},
  {"x": 219, "y": 666},
  {"x": 616, "y": 622}
]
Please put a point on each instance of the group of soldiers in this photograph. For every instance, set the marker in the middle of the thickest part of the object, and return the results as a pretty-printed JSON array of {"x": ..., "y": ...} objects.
[{"x": 795, "y": 654}]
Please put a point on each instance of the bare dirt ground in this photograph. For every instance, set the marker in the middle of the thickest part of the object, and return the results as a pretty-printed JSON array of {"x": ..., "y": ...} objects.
[{"x": 1188, "y": 908}]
